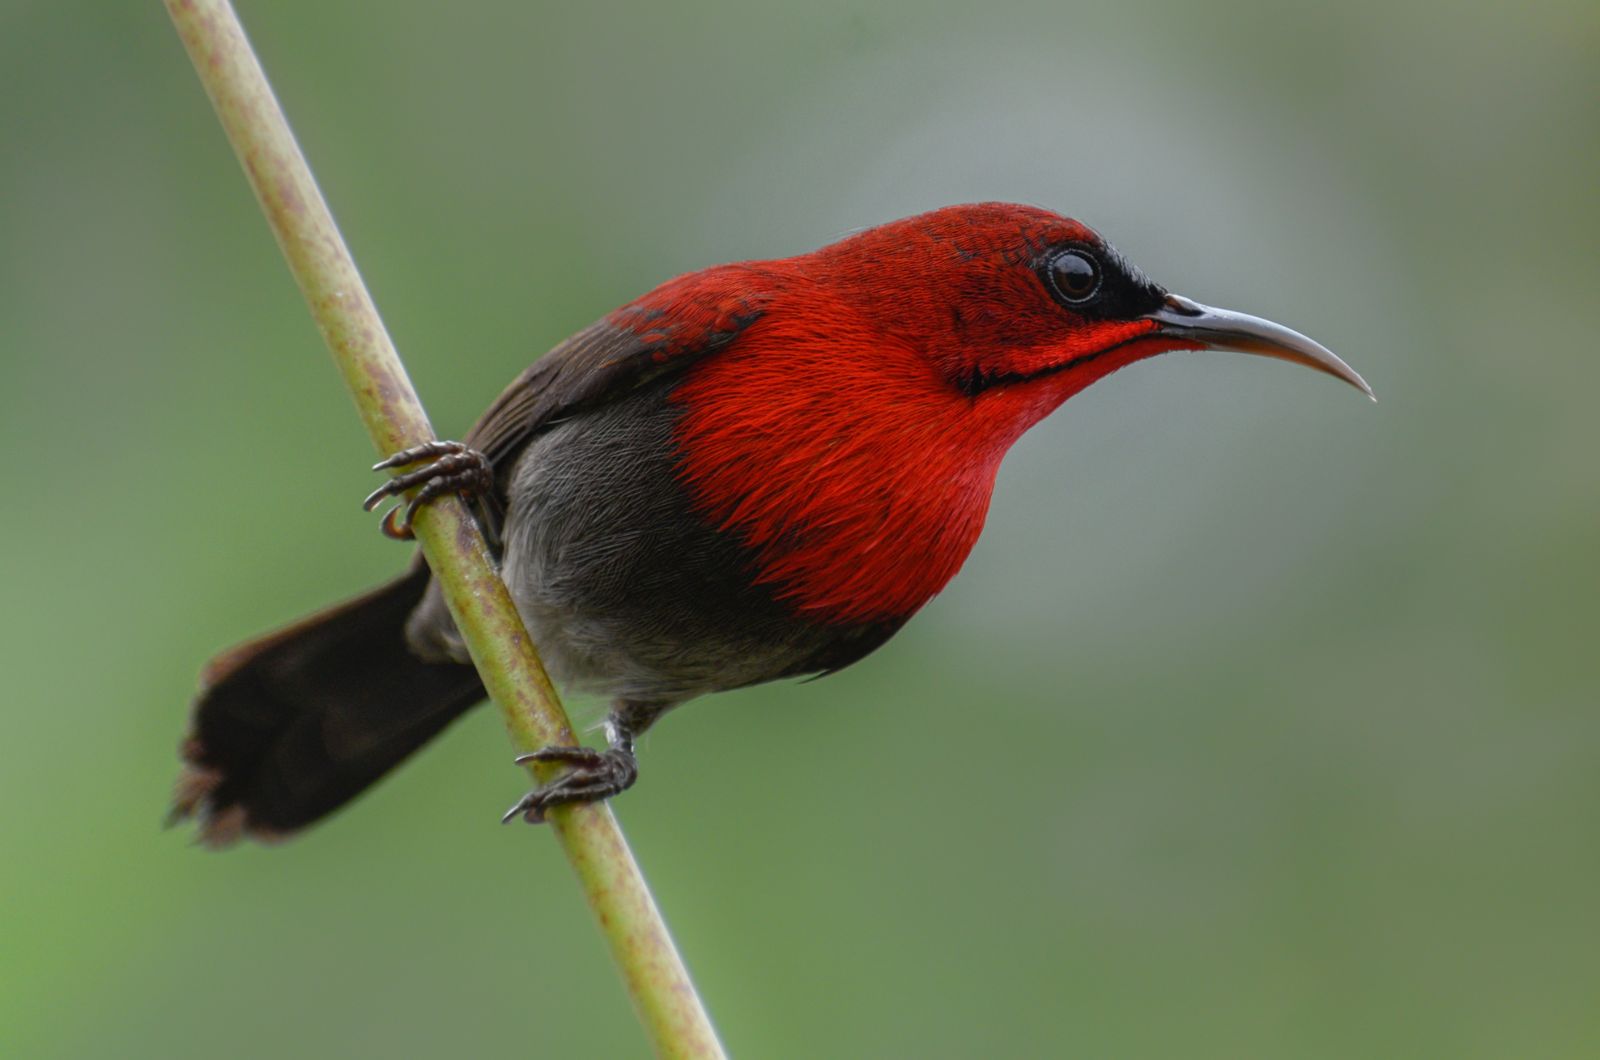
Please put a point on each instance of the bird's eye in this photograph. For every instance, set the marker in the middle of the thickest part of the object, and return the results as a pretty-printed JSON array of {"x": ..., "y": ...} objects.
[{"x": 1075, "y": 275}]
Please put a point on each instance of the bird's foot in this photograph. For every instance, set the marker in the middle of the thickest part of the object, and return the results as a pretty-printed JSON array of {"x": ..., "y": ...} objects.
[
  {"x": 594, "y": 775},
  {"x": 447, "y": 467}
]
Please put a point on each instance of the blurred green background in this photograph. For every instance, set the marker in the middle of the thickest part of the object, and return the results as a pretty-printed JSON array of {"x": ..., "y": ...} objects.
[{"x": 1262, "y": 723}]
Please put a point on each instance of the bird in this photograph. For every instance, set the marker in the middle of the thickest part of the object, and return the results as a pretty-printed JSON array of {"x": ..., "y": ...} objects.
[{"x": 755, "y": 471}]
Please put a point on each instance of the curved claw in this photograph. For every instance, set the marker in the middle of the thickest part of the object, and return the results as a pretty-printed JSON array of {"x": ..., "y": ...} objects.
[
  {"x": 393, "y": 526},
  {"x": 451, "y": 468},
  {"x": 595, "y": 775},
  {"x": 523, "y": 806}
]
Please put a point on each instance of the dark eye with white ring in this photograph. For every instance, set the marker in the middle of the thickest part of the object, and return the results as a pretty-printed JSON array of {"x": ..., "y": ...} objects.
[{"x": 1075, "y": 275}]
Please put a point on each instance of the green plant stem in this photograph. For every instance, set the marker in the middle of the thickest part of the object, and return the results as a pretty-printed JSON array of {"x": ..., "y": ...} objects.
[{"x": 662, "y": 992}]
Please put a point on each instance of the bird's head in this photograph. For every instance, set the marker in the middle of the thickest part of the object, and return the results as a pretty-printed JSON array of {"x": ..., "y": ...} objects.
[
  {"x": 1000, "y": 296},
  {"x": 851, "y": 434}
]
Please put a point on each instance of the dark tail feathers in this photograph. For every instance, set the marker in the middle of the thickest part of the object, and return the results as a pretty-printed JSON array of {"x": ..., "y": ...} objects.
[{"x": 290, "y": 727}]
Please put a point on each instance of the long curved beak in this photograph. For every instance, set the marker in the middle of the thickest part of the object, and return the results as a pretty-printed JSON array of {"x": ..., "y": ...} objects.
[{"x": 1222, "y": 329}]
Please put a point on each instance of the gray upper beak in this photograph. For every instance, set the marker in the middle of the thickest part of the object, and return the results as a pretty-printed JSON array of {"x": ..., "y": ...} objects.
[{"x": 1222, "y": 329}]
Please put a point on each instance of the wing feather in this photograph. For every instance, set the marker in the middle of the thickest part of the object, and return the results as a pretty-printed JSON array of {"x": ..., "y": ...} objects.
[{"x": 661, "y": 334}]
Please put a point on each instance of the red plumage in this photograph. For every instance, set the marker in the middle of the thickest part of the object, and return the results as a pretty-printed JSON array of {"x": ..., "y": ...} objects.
[
  {"x": 830, "y": 437},
  {"x": 755, "y": 471}
]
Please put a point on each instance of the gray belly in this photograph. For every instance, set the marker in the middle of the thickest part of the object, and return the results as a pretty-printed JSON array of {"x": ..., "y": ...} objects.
[{"x": 625, "y": 591}]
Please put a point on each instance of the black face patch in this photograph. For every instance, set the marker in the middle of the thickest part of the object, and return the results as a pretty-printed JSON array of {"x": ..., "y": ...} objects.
[
  {"x": 1089, "y": 278},
  {"x": 1093, "y": 280}
]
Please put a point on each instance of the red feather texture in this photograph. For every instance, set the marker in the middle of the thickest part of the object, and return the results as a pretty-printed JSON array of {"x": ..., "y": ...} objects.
[{"x": 835, "y": 435}]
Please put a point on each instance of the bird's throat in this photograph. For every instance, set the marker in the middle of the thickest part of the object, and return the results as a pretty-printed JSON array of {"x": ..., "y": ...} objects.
[{"x": 859, "y": 485}]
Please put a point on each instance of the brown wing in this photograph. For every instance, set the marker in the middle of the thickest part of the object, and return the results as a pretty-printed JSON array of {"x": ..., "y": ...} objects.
[
  {"x": 590, "y": 368},
  {"x": 663, "y": 333}
]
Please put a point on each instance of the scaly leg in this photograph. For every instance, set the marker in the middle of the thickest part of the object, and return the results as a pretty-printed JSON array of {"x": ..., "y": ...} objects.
[{"x": 594, "y": 774}]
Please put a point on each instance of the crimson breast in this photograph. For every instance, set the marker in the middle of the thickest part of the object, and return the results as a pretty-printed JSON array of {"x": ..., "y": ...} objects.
[{"x": 842, "y": 461}]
